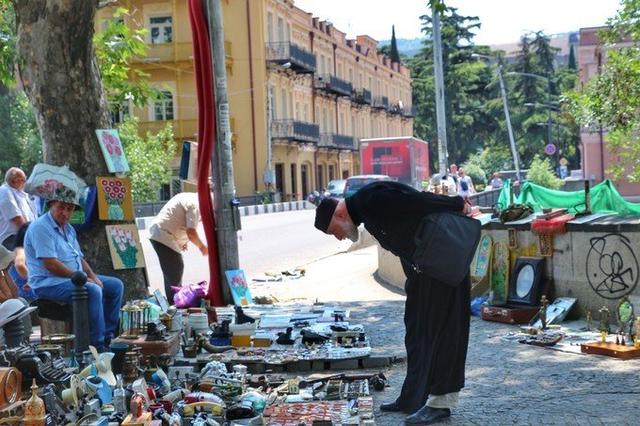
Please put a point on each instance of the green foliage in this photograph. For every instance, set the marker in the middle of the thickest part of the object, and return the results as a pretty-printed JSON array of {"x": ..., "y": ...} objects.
[
  {"x": 541, "y": 173},
  {"x": 473, "y": 167},
  {"x": 116, "y": 46},
  {"x": 393, "y": 47},
  {"x": 534, "y": 86},
  {"x": 611, "y": 99},
  {"x": 470, "y": 122},
  {"x": 572, "y": 65},
  {"x": 20, "y": 142},
  {"x": 149, "y": 158},
  {"x": 7, "y": 42}
]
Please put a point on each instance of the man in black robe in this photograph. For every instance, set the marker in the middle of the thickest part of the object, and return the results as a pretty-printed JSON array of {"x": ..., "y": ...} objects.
[{"x": 436, "y": 315}]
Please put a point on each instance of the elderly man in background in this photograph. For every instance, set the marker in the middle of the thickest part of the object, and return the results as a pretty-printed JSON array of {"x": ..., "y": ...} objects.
[
  {"x": 175, "y": 225},
  {"x": 16, "y": 207},
  {"x": 53, "y": 255}
]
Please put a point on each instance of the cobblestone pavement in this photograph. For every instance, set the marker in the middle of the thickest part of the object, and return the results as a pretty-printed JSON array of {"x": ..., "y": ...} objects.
[
  {"x": 511, "y": 383},
  {"x": 507, "y": 382}
]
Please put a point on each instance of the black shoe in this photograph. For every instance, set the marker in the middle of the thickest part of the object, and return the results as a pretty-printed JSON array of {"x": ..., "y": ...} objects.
[
  {"x": 427, "y": 416},
  {"x": 392, "y": 407}
]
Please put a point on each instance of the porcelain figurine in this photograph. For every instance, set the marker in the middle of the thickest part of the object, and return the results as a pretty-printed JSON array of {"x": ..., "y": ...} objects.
[{"x": 34, "y": 409}]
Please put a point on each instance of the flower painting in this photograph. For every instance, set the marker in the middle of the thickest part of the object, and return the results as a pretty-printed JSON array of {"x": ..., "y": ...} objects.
[
  {"x": 114, "y": 198},
  {"x": 239, "y": 288},
  {"x": 112, "y": 150},
  {"x": 124, "y": 243}
]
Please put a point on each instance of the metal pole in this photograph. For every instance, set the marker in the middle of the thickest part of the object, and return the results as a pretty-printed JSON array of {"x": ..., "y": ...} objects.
[
  {"x": 80, "y": 307},
  {"x": 225, "y": 204},
  {"x": 512, "y": 142},
  {"x": 443, "y": 157},
  {"x": 268, "y": 174}
]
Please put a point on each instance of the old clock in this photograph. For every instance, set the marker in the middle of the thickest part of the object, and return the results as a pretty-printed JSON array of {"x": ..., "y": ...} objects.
[{"x": 10, "y": 386}]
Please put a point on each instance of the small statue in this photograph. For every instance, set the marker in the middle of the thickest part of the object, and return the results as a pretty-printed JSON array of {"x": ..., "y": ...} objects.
[
  {"x": 604, "y": 323},
  {"x": 589, "y": 320},
  {"x": 34, "y": 409},
  {"x": 544, "y": 305},
  {"x": 604, "y": 319}
]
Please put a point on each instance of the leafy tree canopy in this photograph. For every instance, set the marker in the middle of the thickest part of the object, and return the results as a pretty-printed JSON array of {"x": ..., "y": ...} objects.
[{"x": 611, "y": 99}]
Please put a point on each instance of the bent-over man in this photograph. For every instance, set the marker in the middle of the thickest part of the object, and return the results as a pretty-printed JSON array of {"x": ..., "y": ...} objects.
[{"x": 436, "y": 315}]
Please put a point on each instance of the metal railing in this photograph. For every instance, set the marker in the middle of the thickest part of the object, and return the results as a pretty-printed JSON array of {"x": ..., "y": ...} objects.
[
  {"x": 409, "y": 111},
  {"x": 295, "y": 130},
  {"x": 335, "y": 140},
  {"x": 380, "y": 102},
  {"x": 395, "y": 108},
  {"x": 362, "y": 96},
  {"x": 300, "y": 59},
  {"x": 333, "y": 84},
  {"x": 485, "y": 198}
]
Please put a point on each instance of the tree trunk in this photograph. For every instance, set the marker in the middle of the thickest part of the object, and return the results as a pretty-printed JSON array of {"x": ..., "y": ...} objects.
[{"x": 59, "y": 73}]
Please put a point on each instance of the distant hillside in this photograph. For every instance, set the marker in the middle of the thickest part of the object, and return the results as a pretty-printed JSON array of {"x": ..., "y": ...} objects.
[{"x": 406, "y": 46}]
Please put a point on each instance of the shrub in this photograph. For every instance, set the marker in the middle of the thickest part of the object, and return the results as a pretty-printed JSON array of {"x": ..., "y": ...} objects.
[{"x": 541, "y": 173}]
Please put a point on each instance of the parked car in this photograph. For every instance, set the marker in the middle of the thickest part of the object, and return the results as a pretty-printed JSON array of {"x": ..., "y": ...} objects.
[
  {"x": 354, "y": 183},
  {"x": 335, "y": 188}
]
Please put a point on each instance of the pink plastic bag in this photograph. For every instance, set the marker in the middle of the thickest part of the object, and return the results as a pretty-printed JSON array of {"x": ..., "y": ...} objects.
[{"x": 188, "y": 296}]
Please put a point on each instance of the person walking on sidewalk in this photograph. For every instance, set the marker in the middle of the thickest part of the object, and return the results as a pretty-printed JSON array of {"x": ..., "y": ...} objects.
[
  {"x": 436, "y": 315},
  {"x": 175, "y": 225}
]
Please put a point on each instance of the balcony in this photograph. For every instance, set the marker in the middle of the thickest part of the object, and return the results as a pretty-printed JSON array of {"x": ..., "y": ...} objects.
[
  {"x": 396, "y": 108},
  {"x": 381, "y": 102},
  {"x": 301, "y": 61},
  {"x": 295, "y": 131},
  {"x": 333, "y": 84},
  {"x": 334, "y": 140},
  {"x": 409, "y": 112},
  {"x": 362, "y": 96}
]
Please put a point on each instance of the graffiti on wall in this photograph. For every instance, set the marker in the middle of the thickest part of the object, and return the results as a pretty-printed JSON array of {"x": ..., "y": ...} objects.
[{"x": 612, "y": 266}]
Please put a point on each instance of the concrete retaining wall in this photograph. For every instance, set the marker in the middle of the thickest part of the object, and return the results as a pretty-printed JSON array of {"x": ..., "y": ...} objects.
[{"x": 596, "y": 267}]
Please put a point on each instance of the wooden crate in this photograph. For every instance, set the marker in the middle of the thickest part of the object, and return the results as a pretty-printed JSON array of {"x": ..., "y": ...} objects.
[
  {"x": 170, "y": 346},
  {"x": 610, "y": 349}
]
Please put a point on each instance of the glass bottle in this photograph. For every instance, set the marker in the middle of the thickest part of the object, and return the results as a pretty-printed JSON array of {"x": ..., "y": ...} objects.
[{"x": 119, "y": 397}]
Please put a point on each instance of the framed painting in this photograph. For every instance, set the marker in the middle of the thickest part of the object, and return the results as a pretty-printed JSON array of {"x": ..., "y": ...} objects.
[
  {"x": 239, "y": 287},
  {"x": 112, "y": 150},
  {"x": 115, "y": 201},
  {"x": 125, "y": 247}
]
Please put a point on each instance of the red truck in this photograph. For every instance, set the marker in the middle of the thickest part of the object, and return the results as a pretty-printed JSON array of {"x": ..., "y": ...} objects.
[{"x": 404, "y": 158}]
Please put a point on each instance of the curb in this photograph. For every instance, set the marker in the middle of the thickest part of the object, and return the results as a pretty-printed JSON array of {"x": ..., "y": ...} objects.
[
  {"x": 145, "y": 222},
  {"x": 275, "y": 207}
]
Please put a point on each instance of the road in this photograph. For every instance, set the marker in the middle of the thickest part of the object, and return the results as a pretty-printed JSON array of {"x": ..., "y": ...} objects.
[{"x": 267, "y": 242}]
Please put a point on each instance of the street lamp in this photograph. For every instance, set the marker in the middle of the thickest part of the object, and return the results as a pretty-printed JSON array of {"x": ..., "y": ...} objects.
[{"x": 503, "y": 92}]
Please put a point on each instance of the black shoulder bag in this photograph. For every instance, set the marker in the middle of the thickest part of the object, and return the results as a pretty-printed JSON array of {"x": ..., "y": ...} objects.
[{"x": 445, "y": 246}]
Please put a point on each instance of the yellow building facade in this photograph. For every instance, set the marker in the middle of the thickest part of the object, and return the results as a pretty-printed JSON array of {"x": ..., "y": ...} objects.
[{"x": 301, "y": 94}]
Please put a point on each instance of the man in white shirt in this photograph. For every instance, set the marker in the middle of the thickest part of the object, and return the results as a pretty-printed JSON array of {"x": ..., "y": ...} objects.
[
  {"x": 174, "y": 226},
  {"x": 16, "y": 207},
  {"x": 465, "y": 184}
]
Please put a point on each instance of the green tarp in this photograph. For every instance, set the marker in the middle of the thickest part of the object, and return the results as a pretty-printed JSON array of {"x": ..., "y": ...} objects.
[{"x": 605, "y": 198}]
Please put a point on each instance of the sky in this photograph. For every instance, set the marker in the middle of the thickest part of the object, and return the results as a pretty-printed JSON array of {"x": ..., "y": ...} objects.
[{"x": 503, "y": 21}]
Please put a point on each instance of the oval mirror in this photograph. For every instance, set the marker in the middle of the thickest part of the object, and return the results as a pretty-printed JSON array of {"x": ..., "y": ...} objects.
[{"x": 524, "y": 282}]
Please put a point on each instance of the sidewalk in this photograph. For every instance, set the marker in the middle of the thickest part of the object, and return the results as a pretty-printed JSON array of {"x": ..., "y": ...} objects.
[{"x": 507, "y": 382}]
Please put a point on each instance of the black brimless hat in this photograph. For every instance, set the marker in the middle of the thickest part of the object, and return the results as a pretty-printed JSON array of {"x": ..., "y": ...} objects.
[{"x": 324, "y": 213}]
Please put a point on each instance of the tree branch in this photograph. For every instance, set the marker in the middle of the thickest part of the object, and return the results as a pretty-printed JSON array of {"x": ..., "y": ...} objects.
[{"x": 106, "y": 3}]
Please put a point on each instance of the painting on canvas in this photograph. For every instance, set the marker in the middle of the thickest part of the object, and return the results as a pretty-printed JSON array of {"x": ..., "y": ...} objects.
[
  {"x": 239, "y": 287},
  {"x": 112, "y": 150},
  {"x": 125, "y": 247},
  {"x": 115, "y": 201}
]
